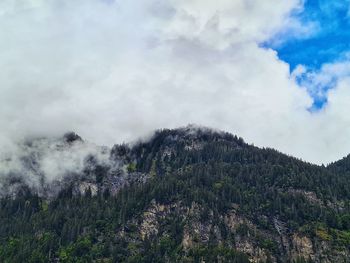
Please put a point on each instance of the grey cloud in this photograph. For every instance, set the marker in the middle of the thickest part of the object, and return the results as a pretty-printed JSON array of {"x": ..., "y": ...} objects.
[{"x": 113, "y": 71}]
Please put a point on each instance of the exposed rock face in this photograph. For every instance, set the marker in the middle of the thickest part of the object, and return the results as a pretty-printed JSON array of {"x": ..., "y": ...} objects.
[
  {"x": 84, "y": 187},
  {"x": 233, "y": 220},
  {"x": 187, "y": 242},
  {"x": 245, "y": 235},
  {"x": 149, "y": 226},
  {"x": 207, "y": 169},
  {"x": 256, "y": 254},
  {"x": 302, "y": 247},
  {"x": 197, "y": 231}
]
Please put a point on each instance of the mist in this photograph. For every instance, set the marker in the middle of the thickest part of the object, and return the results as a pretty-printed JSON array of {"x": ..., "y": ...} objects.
[
  {"x": 114, "y": 71},
  {"x": 44, "y": 163}
]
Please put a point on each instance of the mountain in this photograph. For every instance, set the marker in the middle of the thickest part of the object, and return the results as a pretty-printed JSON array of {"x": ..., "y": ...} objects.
[{"x": 185, "y": 195}]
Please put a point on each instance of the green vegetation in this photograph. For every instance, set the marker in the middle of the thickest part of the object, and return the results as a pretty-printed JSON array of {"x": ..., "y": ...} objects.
[{"x": 221, "y": 175}]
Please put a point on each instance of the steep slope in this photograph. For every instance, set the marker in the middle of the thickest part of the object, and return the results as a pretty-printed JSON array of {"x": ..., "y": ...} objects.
[{"x": 186, "y": 195}]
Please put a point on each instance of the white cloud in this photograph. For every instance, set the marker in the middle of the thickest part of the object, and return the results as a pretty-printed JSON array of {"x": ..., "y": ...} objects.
[
  {"x": 41, "y": 162},
  {"x": 116, "y": 70}
]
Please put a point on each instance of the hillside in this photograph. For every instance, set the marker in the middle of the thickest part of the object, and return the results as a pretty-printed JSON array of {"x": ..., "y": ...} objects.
[{"x": 185, "y": 195}]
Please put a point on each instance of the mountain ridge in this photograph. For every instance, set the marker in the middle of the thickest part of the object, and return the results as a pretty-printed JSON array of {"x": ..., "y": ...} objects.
[{"x": 185, "y": 195}]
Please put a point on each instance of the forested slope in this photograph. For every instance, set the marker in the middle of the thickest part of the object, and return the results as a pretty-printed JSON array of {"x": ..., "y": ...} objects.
[{"x": 186, "y": 195}]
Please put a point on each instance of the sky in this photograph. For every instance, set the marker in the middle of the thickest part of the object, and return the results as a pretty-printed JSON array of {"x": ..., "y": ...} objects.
[
  {"x": 273, "y": 72},
  {"x": 327, "y": 43}
]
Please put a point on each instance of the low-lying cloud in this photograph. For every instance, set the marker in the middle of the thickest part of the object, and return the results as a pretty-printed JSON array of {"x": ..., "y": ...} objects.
[
  {"x": 113, "y": 71},
  {"x": 41, "y": 163}
]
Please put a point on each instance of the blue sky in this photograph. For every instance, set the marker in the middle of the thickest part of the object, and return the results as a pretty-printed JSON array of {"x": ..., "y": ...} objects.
[
  {"x": 327, "y": 43},
  {"x": 114, "y": 71}
]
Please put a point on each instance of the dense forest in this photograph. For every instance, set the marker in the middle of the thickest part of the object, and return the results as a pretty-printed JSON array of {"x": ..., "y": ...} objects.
[{"x": 185, "y": 195}]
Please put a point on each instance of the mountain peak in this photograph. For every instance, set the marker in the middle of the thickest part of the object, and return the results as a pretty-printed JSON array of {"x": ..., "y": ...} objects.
[
  {"x": 71, "y": 137},
  {"x": 195, "y": 133}
]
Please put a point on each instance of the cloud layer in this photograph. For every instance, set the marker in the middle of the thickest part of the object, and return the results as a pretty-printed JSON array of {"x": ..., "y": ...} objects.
[
  {"x": 113, "y": 71},
  {"x": 42, "y": 164}
]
